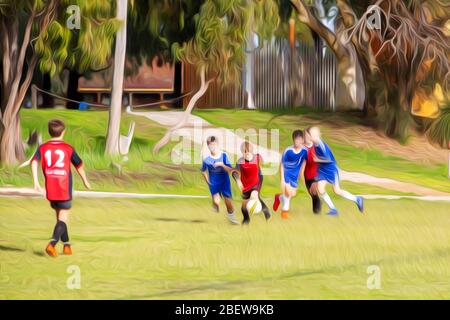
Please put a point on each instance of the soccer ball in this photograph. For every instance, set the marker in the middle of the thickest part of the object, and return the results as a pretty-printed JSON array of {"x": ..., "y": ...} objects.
[{"x": 254, "y": 206}]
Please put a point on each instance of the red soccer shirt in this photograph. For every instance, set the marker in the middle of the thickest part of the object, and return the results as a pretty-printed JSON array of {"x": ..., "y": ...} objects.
[
  {"x": 56, "y": 157},
  {"x": 250, "y": 172},
  {"x": 311, "y": 166}
]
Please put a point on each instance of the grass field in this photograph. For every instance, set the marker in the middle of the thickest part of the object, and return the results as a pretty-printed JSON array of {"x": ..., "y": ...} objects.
[{"x": 180, "y": 249}]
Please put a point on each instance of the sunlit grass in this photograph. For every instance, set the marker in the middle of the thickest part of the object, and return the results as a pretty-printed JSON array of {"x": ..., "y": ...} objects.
[{"x": 180, "y": 249}]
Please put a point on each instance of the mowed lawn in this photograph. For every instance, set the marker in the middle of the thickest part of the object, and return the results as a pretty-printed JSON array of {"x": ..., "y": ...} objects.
[{"x": 180, "y": 249}]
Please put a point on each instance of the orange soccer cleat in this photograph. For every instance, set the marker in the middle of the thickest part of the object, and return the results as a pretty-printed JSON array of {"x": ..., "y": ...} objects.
[
  {"x": 285, "y": 214},
  {"x": 67, "y": 250},
  {"x": 51, "y": 251}
]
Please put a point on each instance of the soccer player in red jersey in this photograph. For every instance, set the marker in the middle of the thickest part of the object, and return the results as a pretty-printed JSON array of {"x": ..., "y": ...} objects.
[
  {"x": 56, "y": 157},
  {"x": 311, "y": 172},
  {"x": 247, "y": 174}
]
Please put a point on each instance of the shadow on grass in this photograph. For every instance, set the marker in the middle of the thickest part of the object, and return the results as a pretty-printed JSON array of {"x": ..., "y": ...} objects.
[
  {"x": 180, "y": 220},
  {"x": 13, "y": 249}
]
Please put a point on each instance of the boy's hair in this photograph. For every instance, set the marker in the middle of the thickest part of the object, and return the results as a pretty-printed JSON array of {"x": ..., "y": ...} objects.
[
  {"x": 307, "y": 130},
  {"x": 210, "y": 140},
  {"x": 56, "y": 127},
  {"x": 297, "y": 134},
  {"x": 246, "y": 146}
]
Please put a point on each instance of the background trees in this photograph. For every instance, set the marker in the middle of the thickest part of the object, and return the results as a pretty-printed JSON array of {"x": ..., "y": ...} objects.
[{"x": 34, "y": 34}]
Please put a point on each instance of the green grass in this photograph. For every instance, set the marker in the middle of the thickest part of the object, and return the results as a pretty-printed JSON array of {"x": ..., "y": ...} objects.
[
  {"x": 371, "y": 161},
  {"x": 179, "y": 249}
]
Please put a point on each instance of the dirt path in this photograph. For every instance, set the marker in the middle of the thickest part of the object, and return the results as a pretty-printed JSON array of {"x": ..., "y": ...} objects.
[{"x": 195, "y": 123}]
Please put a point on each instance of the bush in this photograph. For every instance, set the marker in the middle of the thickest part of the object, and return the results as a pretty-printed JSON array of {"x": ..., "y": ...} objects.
[{"x": 439, "y": 130}]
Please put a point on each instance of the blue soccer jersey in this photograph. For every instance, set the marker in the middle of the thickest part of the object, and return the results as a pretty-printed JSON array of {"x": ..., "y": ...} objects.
[
  {"x": 292, "y": 162},
  {"x": 218, "y": 177},
  {"x": 327, "y": 170}
]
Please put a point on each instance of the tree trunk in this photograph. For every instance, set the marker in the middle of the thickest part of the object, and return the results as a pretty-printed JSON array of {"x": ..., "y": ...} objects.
[
  {"x": 112, "y": 139},
  {"x": 203, "y": 87},
  {"x": 11, "y": 147},
  {"x": 72, "y": 90},
  {"x": 177, "y": 83},
  {"x": 395, "y": 116}
]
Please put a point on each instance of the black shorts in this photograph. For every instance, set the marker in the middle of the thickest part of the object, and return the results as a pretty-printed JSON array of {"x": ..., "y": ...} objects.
[
  {"x": 56, "y": 204},
  {"x": 309, "y": 182},
  {"x": 246, "y": 194}
]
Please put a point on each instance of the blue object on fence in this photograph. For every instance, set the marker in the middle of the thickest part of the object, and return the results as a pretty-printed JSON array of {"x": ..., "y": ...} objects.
[{"x": 83, "y": 106}]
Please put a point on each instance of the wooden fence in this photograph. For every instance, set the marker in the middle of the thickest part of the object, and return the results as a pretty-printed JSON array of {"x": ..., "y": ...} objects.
[{"x": 283, "y": 78}]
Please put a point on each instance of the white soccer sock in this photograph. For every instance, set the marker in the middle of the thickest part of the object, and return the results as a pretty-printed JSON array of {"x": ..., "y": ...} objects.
[
  {"x": 348, "y": 195},
  {"x": 286, "y": 203},
  {"x": 327, "y": 200}
]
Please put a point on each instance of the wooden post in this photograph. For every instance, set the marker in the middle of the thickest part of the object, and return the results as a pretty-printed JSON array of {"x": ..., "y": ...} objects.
[{"x": 34, "y": 97}]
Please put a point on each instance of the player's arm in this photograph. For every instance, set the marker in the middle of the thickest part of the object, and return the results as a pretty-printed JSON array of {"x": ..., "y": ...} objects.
[
  {"x": 302, "y": 170},
  {"x": 82, "y": 173},
  {"x": 79, "y": 166},
  {"x": 319, "y": 159},
  {"x": 237, "y": 177},
  {"x": 206, "y": 177},
  {"x": 34, "y": 170}
]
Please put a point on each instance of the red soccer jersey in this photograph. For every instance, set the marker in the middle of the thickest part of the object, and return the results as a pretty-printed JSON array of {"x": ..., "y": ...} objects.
[
  {"x": 250, "y": 172},
  {"x": 56, "y": 157},
  {"x": 311, "y": 166}
]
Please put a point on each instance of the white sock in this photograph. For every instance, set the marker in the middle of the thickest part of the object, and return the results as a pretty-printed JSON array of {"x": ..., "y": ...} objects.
[
  {"x": 286, "y": 203},
  {"x": 348, "y": 195},
  {"x": 327, "y": 200}
]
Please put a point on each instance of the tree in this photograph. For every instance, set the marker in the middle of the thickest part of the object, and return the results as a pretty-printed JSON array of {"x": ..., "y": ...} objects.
[
  {"x": 407, "y": 51},
  {"x": 217, "y": 48},
  {"x": 34, "y": 32},
  {"x": 115, "y": 110}
]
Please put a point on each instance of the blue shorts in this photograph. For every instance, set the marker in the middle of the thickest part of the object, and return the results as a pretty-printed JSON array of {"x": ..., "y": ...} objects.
[
  {"x": 328, "y": 173},
  {"x": 222, "y": 187},
  {"x": 291, "y": 177}
]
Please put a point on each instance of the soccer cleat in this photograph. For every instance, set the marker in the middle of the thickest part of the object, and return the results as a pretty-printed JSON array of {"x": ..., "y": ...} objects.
[
  {"x": 232, "y": 219},
  {"x": 267, "y": 215},
  {"x": 360, "y": 204},
  {"x": 51, "y": 251},
  {"x": 284, "y": 214},
  {"x": 67, "y": 250},
  {"x": 276, "y": 202},
  {"x": 333, "y": 213},
  {"x": 215, "y": 208}
]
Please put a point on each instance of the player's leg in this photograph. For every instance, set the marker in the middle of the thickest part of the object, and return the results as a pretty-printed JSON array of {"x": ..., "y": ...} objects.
[
  {"x": 347, "y": 195},
  {"x": 316, "y": 204},
  {"x": 58, "y": 229},
  {"x": 216, "y": 201},
  {"x": 245, "y": 214},
  {"x": 64, "y": 217},
  {"x": 255, "y": 194},
  {"x": 230, "y": 210},
  {"x": 321, "y": 186},
  {"x": 278, "y": 199},
  {"x": 289, "y": 192}
]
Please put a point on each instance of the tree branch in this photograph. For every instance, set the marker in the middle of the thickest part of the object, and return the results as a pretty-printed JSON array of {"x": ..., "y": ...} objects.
[{"x": 305, "y": 15}]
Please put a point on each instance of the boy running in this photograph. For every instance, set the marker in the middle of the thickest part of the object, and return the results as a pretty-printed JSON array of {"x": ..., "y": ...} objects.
[
  {"x": 291, "y": 164},
  {"x": 248, "y": 177},
  {"x": 328, "y": 173},
  {"x": 310, "y": 172},
  {"x": 56, "y": 156},
  {"x": 217, "y": 177}
]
